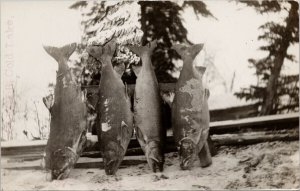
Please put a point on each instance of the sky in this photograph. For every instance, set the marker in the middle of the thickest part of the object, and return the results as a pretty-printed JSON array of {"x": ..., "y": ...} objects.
[
  {"x": 25, "y": 27},
  {"x": 232, "y": 39},
  {"x": 38, "y": 23},
  {"x": 28, "y": 25}
]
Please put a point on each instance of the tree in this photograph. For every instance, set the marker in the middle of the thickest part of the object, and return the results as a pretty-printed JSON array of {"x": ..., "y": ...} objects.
[
  {"x": 10, "y": 107},
  {"x": 158, "y": 20},
  {"x": 275, "y": 93}
]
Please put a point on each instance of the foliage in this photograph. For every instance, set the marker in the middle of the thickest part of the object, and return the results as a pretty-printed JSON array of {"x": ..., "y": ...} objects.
[
  {"x": 9, "y": 108},
  {"x": 135, "y": 23},
  {"x": 275, "y": 93}
]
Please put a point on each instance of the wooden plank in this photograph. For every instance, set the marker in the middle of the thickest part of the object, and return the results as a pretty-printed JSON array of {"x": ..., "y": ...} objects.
[
  {"x": 234, "y": 113},
  {"x": 257, "y": 120},
  {"x": 27, "y": 149},
  {"x": 254, "y": 138},
  {"x": 266, "y": 123},
  {"x": 219, "y": 140},
  {"x": 83, "y": 163},
  {"x": 263, "y": 123}
]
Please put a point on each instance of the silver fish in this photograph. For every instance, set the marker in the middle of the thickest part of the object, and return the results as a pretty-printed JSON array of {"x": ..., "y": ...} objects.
[
  {"x": 190, "y": 113},
  {"x": 147, "y": 108},
  {"x": 116, "y": 119},
  {"x": 68, "y": 117}
]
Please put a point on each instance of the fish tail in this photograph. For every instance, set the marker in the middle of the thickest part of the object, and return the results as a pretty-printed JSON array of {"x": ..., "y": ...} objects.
[
  {"x": 139, "y": 50},
  {"x": 110, "y": 48},
  {"x": 62, "y": 53},
  {"x": 188, "y": 51},
  {"x": 103, "y": 53},
  {"x": 201, "y": 69}
]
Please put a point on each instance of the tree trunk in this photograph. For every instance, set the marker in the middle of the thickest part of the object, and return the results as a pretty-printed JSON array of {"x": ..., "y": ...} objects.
[{"x": 269, "y": 102}]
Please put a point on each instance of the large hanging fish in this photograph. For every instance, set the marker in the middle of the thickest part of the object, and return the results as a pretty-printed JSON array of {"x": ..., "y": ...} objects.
[
  {"x": 147, "y": 109},
  {"x": 116, "y": 119},
  {"x": 190, "y": 114},
  {"x": 68, "y": 117}
]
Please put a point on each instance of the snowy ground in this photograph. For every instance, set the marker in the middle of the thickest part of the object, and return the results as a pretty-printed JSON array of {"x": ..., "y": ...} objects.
[{"x": 261, "y": 166}]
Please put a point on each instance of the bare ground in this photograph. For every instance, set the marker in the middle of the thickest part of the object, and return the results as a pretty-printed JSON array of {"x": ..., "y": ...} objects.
[{"x": 272, "y": 165}]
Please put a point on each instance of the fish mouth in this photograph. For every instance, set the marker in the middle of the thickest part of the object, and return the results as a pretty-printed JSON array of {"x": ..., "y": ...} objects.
[
  {"x": 186, "y": 163},
  {"x": 154, "y": 156},
  {"x": 63, "y": 162},
  {"x": 61, "y": 174},
  {"x": 112, "y": 166}
]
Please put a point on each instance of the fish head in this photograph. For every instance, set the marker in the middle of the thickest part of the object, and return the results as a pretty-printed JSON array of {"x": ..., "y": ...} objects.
[
  {"x": 113, "y": 156},
  {"x": 63, "y": 162},
  {"x": 154, "y": 156},
  {"x": 64, "y": 159},
  {"x": 187, "y": 154}
]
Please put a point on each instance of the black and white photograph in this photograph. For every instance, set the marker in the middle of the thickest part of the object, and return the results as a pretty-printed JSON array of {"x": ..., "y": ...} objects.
[{"x": 150, "y": 95}]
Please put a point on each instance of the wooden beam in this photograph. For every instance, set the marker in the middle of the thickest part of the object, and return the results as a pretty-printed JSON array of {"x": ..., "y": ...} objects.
[
  {"x": 83, "y": 163},
  {"x": 254, "y": 138},
  {"x": 258, "y": 124},
  {"x": 247, "y": 138},
  {"x": 220, "y": 140},
  {"x": 263, "y": 123}
]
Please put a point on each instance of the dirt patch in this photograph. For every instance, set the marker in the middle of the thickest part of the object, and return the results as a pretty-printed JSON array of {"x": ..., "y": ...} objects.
[{"x": 262, "y": 166}]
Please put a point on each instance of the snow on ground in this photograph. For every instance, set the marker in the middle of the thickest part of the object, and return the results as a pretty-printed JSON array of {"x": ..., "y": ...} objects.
[{"x": 262, "y": 166}]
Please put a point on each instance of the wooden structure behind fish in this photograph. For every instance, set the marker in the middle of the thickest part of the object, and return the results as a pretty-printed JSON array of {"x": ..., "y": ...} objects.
[
  {"x": 147, "y": 108},
  {"x": 114, "y": 107},
  {"x": 68, "y": 117},
  {"x": 190, "y": 114}
]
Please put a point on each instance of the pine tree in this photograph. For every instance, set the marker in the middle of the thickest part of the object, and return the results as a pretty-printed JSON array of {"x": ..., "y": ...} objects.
[
  {"x": 274, "y": 92},
  {"x": 152, "y": 20}
]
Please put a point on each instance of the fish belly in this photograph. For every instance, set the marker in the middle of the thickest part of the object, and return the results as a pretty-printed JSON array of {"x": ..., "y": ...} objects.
[
  {"x": 187, "y": 109},
  {"x": 147, "y": 106}
]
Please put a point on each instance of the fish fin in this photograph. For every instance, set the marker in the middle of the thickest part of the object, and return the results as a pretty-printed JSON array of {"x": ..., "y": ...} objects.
[
  {"x": 95, "y": 51},
  {"x": 78, "y": 145},
  {"x": 49, "y": 101},
  {"x": 195, "y": 137},
  {"x": 110, "y": 48},
  {"x": 120, "y": 69},
  {"x": 203, "y": 134},
  {"x": 103, "y": 53},
  {"x": 126, "y": 89},
  {"x": 136, "y": 69},
  {"x": 201, "y": 69},
  {"x": 124, "y": 135},
  {"x": 180, "y": 49},
  {"x": 206, "y": 93},
  {"x": 141, "y": 138},
  {"x": 195, "y": 49},
  {"x": 186, "y": 52},
  {"x": 62, "y": 53},
  {"x": 126, "y": 93}
]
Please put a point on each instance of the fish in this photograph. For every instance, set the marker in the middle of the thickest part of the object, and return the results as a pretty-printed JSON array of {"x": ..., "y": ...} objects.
[
  {"x": 116, "y": 118},
  {"x": 67, "y": 109},
  {"x": 190, "y": 112},
  {"x": 148, "y": 108}
]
